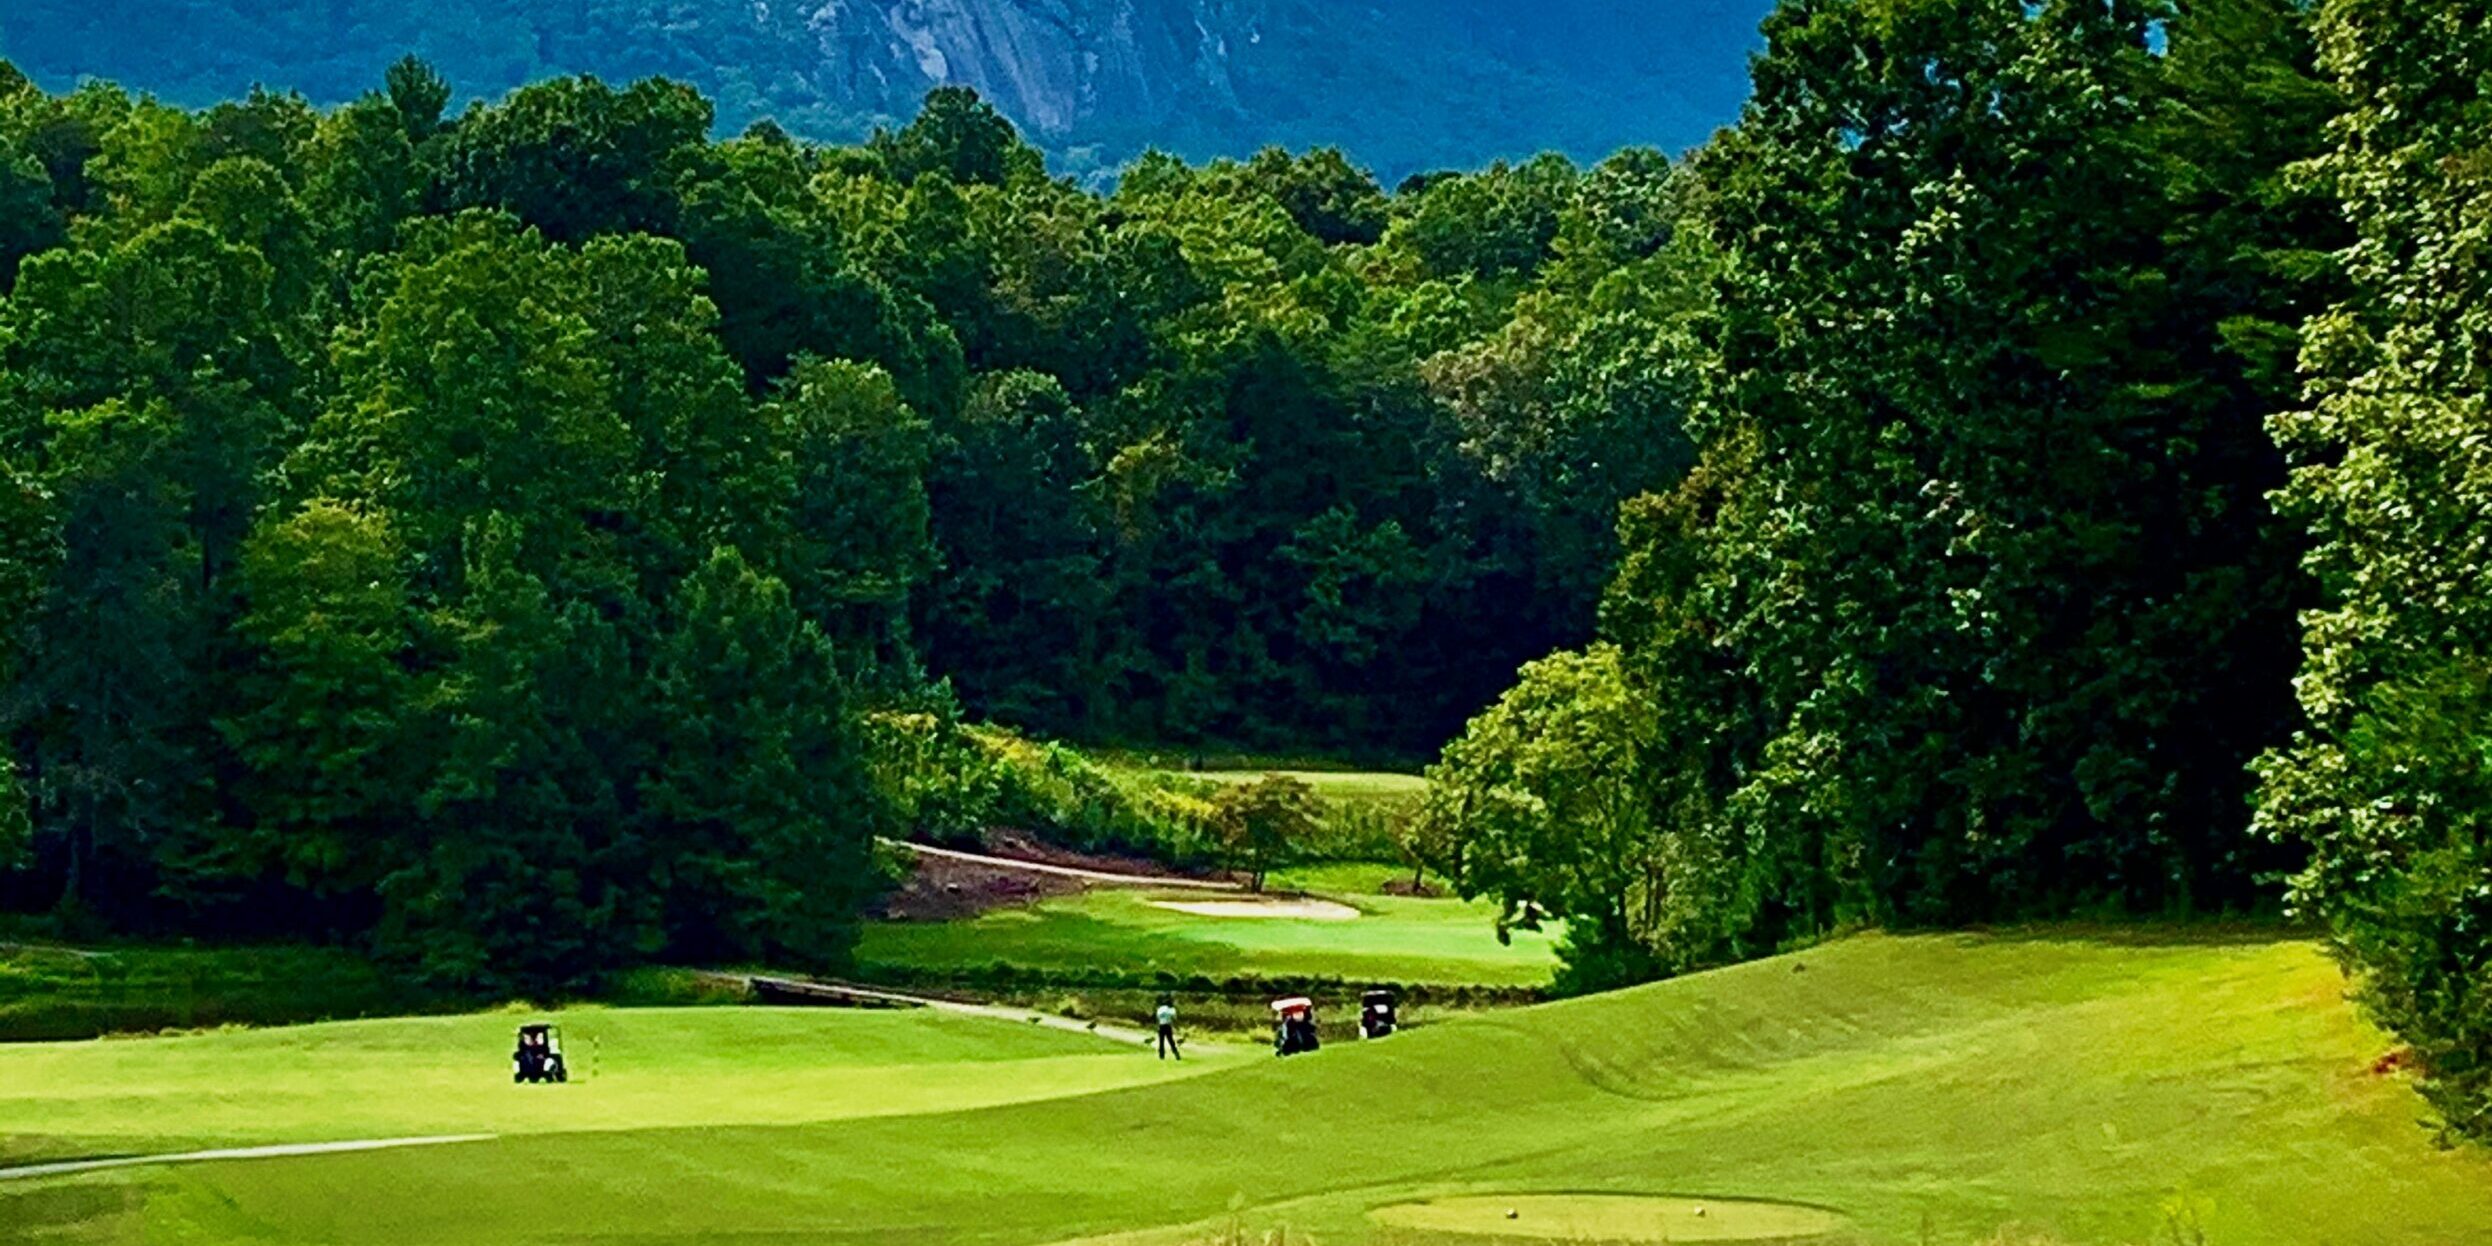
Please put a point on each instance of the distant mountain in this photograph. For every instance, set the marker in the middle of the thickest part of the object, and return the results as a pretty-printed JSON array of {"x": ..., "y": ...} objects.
[{"x": 1403, "y": 85}]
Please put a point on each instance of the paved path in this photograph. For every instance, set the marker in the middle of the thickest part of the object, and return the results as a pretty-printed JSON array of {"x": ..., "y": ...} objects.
[
  {"x": 1063, "y": 871},
  {"x": 66, "y": 1167},
  {"x": 872, "y": 996}
]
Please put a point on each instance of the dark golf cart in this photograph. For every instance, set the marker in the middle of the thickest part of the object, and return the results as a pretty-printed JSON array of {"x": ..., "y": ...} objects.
[
  {"x": 1376, "y": 1014},
  {"x": 539, "y": 1055},
  {"x": 1293, "y": 1026}
]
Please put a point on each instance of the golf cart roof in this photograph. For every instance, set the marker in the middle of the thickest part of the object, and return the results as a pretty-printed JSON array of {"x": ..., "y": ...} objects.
[
  {"x": 1294, "y": 1003},
  {"x": 1374, "y": 994},
  {"x": 540, "y": 1028}
]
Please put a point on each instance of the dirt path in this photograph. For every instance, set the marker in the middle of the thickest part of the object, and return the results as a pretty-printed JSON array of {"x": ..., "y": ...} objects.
[
  {"x": 63, "y": 1168},
  {"x": 1062, "y": 871}
]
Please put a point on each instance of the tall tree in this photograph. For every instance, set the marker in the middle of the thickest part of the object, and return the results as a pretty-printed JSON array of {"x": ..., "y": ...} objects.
[
  {"x": 760, "y": 790},
  {"x": 859, "y": 541},
  {"x": 2018, "y": 583},
  {"x": 2390, "y": 782}
]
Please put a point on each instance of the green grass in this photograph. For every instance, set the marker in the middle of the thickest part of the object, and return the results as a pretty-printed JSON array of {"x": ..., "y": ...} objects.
[
  {"x": 1357, "y": 786},
  {"x": 1122, "y": 932},
  {"x": 1926, "y": 1089},
  {"x": 631, "y": 1069},
  {"x": 1612, "y": 1218},
  {"x": 1363, "y": 808}
]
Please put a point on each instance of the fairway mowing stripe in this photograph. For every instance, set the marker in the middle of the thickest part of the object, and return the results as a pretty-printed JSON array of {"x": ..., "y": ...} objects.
[{"x": 66, "y": 1167}]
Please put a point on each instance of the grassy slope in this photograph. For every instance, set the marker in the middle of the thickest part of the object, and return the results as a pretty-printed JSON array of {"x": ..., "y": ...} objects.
[
  {"x": 1367, "y": 786},
  {"x": 632, "y": 1068},
  {"x": 1948, "y": 1083},
  {"x": 1396, "y": 939}
]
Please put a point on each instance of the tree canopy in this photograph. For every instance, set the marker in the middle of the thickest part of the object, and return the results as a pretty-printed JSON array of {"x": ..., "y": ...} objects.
[{"x": 477, "y": 534}]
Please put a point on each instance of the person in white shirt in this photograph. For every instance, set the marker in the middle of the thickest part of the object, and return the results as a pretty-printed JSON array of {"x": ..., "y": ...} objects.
[{"x": 1167, "y": 1016}]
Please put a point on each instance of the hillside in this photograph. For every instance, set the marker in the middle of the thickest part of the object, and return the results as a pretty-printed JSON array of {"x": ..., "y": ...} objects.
[
  {"x": 1402, "y": 84},
  {"x": 1922, "y": 1090}
]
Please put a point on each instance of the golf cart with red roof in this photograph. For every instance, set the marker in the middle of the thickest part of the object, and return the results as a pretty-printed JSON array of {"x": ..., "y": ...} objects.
[{"x": 1293, "y": 1026}]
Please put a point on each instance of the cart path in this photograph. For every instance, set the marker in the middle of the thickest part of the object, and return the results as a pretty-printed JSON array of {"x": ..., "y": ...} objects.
[
  {"x": 66, "y": 1167},
  {"x": 1063, "y": 871},
  {"x": 874, "y": 995}
]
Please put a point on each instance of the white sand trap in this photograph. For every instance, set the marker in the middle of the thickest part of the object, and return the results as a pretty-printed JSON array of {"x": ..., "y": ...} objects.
[{"x": 1300, "y": 910}]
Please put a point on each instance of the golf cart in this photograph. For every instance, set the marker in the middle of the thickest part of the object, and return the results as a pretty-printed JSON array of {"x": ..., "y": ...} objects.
[
  {"x": 539, "y": 1055},
  {"x": 1293, "y": 1026},
  {"x": 1376, "y": 1015}
]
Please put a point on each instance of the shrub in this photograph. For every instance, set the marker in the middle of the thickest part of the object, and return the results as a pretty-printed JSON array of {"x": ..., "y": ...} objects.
[{"x": 947, "y": 781}]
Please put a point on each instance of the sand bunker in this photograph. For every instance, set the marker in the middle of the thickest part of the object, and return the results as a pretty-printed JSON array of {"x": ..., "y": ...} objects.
[
  {"x": 1301, "y": 910},
  {"x": 1618, "y": 1218}
]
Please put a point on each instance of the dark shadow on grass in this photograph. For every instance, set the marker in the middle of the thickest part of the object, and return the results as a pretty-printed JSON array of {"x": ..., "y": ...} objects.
[
  {"x": 2142, "y": 933},
  {"x": 36, "y": 1208}
]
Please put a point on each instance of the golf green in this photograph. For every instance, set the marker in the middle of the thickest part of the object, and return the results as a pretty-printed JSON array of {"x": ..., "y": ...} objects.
[
  {"x": 1387, "y": 938},
  {"x": 1612, "y": 1218},
  {"x": 2063, "y": 1086}
]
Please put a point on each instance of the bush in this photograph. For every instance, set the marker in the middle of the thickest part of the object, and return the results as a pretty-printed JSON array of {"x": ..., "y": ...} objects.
[
  {"x": 50, "y": 993},
  {"x": 950, "y": 782}
]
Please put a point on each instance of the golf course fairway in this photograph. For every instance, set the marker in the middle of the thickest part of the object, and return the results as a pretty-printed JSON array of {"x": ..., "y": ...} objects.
[{"x": 2068, "y": 1087}]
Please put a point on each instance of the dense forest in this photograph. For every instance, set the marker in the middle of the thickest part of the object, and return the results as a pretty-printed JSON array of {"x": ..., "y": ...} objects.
[
  {"x": 2087, "y": 517},
  {"x": 2031, "y": 466},
  {"x": 482, "y": 533}
]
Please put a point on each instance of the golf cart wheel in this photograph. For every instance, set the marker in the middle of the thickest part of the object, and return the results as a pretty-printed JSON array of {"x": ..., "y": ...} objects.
[{"x": 562, "y": 1075}]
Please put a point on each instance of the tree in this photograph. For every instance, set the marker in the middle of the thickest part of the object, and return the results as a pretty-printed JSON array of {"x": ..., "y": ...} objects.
[
  {"x": 329, "y": 726},
  {"x": 955, "y": 135},
  {"x": 2389, "y": 781},
  {"x": 574, "y": 157},
  {"x": 29, "y": 556},
  {"x": 1538, "y": 805},
  {"x": 761, "y": 794},
  {"x": 519, "y": 875},
  {"x": 858, "y": 540},
  {"x": 28, "y": 222},
  {"x": 2010, "y": 596},
  {"x": 112, "y": 701},
  {"x": 1330, "y": 198},
  {"x": 478, "y": 341},
  {"x": 1498, "y": 222},
  {"x": 1018, "y": 604},
  {"x": 1260, "y": 824},
  {"x": 418, "y": 94}
]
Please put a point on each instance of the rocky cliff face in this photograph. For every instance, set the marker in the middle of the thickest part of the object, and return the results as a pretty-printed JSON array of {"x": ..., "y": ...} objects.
[
  {"x": 1401, "y": 82},
  {"x": 1050, "y": 64}
]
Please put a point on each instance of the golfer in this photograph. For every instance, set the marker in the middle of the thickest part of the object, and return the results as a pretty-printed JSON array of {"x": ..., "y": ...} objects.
[{"x": 1168, "y": 1029}]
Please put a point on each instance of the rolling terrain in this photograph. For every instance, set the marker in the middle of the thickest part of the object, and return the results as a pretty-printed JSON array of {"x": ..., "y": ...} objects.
[{"x": 2085, "y": 1089}]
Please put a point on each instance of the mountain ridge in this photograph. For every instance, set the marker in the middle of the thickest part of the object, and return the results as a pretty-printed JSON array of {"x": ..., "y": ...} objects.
[{"x": 1402, "y": 85}]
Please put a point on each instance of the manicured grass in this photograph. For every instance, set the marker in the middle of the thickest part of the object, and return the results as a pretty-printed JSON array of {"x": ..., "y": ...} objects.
[
  {"x": 1925, "y": 1089},
  {"x": 1123, "y": 933},
  {"x": 1361, "y": 786},
  {"x": 630, "y": 1069},
  {"x": 1612, "y": 1218}
]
